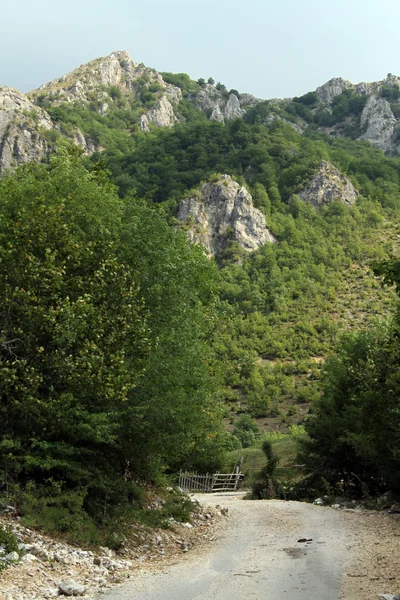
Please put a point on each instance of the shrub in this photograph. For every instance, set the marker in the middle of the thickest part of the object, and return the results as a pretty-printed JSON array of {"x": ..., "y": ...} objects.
[{"x": 8, "y": 541}]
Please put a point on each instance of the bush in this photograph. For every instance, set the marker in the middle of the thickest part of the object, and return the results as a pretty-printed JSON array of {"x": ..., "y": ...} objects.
[
  {"x": 55, "y": 510},
  {"x": 266, "y": 485},
  {"x": 8, "y": 541},
  {"x": 245, "y": 430}
]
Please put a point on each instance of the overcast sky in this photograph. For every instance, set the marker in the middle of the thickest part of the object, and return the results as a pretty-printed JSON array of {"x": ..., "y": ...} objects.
[{"x": 271, "y": 48}]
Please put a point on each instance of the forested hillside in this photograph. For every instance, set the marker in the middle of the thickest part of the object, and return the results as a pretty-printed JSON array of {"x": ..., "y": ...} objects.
[{"x": 123, "y": 346}]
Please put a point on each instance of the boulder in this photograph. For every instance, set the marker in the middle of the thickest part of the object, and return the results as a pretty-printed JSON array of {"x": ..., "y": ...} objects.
[
  {"x": 69, "y": 587},
  {"x": 11, "y": 557}
]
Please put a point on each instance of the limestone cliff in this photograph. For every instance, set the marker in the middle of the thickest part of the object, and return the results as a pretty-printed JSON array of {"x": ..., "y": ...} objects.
[
  {"x": 328, "y": 184},
  {"x": 22, "y": 129},
  {"x": 162, "y": 115},
  {"x": 378, "y": 124},
  {"x": 221, "y": 213}
]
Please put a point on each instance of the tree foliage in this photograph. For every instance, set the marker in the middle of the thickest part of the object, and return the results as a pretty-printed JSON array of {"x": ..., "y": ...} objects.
[
  {"x": 105, "y": 374},
  {"x": 355, "y": 441}
]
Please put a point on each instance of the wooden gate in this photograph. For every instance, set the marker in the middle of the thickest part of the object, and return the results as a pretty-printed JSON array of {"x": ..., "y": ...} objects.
[{"x": 210, "y": 482}]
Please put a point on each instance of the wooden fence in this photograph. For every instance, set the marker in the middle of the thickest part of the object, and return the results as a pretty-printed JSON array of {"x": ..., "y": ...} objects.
[{"x": 210, "y": 482}]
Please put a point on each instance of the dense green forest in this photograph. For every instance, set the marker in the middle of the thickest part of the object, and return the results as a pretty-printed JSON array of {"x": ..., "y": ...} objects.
[
  {"x": 284, "y": 304},
  {"x": 123, "y": 347}
]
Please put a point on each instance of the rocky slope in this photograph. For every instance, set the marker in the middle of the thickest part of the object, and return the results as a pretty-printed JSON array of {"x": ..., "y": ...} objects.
[
  {"x": 93, "y": 79},
  {"x": 101, "y": 80},
  {"x": 48, "y": 567},
  {"x": 221, "y": 213},
  {"x": 23, "y": 129}
]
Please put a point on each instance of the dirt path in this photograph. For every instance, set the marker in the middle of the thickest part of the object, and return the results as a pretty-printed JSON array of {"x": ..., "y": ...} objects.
[{"x": 259, "y": 556}]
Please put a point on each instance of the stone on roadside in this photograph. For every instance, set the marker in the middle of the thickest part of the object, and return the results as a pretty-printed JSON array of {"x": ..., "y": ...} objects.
[
  {"x": 69, "y": 587},
  {"x": 12, "y": 557}
]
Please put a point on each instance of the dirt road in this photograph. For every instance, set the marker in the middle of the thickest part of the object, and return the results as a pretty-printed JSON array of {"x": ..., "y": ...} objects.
[{"x": 258, "y": 556}]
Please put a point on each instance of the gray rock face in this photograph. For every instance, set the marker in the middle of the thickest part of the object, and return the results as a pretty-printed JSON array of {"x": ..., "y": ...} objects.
[
  {"x": 223, "y": 213},
  {"x": 247, "y": 100},
  {"x": 20, "y": 125},
  {"x": 333, "y": 87},
  {"x": 162, "y": 115},
  {"x": 210, "y": 99},
  {"x": 328, "y": 184},
  {"x": 232, "y": 108},
  {"x": 217, "y": 115},
  {"x": 86, "y": 143},
  {"x": 378, "y": 123}
]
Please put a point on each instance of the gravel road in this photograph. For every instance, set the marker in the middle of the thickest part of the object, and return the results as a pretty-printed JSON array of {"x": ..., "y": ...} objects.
[{"x": 258, "y": 556}]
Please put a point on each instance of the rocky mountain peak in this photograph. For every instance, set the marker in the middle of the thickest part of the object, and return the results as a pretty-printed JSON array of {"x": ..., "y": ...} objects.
[
  {"x": 333, "y": 87},
  {"x": 117, "y": 69},
  {"x": 222, "y": 212},
  {"x": 327, "y": 185}
]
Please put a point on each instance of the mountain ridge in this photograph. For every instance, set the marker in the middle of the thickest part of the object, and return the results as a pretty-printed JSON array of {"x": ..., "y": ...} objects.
[{"x": 367, "y": 111}]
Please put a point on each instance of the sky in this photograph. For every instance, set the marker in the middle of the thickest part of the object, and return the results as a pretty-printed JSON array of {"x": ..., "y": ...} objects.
[{"x": 272, "y": 49}]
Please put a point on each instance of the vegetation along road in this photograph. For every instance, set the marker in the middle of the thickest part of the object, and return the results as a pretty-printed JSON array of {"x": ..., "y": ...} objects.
[{"x": 259, "y": 555}]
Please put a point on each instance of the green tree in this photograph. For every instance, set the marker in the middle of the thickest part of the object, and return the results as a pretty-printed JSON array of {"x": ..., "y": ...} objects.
[
  {"x": 179, "y": 394},
  {"x": 354, "y": 435},
  {"x": 73, "y": 326},
  {"x": 105, "y": 319}
]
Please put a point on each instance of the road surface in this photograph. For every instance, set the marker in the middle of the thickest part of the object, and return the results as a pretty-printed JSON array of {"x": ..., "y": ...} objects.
[{"x": 259, "y": 556}]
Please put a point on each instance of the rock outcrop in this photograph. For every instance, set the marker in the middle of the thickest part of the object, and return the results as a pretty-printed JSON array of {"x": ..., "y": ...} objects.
[
  {"x": 22, "y": 127},
  {"x": 332, "y": 88},
  {"x": 378, "y": 124},
  {"x": 162, "y": 115},
  {"x": 221, "y": 213},
  {"x": 220, "y": 107},
  {"x": 232, "y": 108},
  {"x": 327, "y": 185}
]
